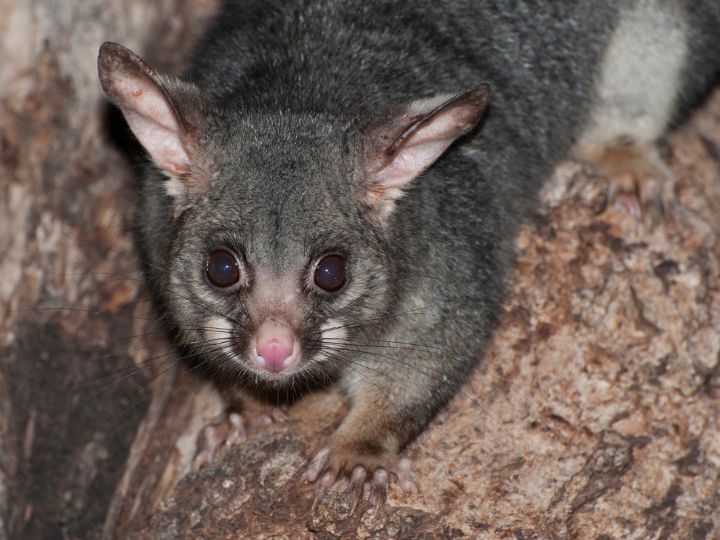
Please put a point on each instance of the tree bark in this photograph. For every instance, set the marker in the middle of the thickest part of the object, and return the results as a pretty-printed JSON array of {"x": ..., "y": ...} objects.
[
  {"x": 594, "y": 415},
  {"x": 74, "y": 387}
]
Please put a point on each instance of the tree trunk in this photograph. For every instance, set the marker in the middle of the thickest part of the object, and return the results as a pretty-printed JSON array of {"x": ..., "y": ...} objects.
[{"x": 595, "y": 414}]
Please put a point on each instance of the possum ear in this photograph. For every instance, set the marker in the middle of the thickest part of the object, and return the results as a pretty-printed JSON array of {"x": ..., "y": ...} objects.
[
  {"x": 406, "y": 145},
  {"x": 161, "y": 123}
]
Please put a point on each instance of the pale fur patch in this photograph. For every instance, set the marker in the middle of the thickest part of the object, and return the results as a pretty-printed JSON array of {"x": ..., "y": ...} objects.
[
  {"x": 640, "y": 77},
  {"x": 218, "y": 331},
  {"x": 333, "y": 329},
  {"x": 175, "y": 188},
  {"x": 332, "y": 338},
  {"x": 183, "y": 190}
]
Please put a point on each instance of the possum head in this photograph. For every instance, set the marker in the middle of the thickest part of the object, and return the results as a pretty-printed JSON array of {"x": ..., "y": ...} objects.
[{"x": 280, "y": 252}]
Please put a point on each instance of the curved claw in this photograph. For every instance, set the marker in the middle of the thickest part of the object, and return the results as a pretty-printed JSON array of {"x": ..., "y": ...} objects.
[
  {"x": 356, "y": 487},
  {"x": 317, "y": 465},
  {"x": 379, "y": 487},
  {"x": 276, "y": 415},
  {"x": 237, "y": 433},
  {"x": 628, "y": 203}
]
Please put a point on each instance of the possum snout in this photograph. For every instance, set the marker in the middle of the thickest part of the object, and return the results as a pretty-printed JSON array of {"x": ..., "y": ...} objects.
[{"x": 275, "y": 345}]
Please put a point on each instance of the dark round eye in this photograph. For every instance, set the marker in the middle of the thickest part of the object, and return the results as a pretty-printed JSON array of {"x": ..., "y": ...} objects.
[
  {"x": 222, "y": 268},
  {"x": 330, "y": 273}
]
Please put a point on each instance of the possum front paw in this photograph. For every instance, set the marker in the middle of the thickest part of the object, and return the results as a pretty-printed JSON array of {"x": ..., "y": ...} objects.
[
  {"x": 230, "y": 429},
  {"x": 640, "y": 182},
  {"x": 362, "y": 462}
]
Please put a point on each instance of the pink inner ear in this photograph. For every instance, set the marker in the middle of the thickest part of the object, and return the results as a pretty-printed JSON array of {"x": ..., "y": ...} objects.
[
  {"x": 154, "y": 123},
  {"x": 139, "y": 92},
  {"x": 411, "y": 160},
  {"x": 424, "y": 142}
]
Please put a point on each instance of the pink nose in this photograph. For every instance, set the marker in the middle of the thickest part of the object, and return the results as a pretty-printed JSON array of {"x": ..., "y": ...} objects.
[
  {"x": 275, "y": 346},
  {"x": 274, "y": 350}
]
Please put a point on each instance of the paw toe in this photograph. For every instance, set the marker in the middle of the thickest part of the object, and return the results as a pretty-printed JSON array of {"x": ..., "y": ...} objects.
[
  {"x": 317, "y": 465},
  {"x": 406, "y": 476},
  {"x": 216, "y": 438},
  {"x": 357, "y": 486},
  {"x": 379, "y": 487},
  {"x": 237, "y": 432}
]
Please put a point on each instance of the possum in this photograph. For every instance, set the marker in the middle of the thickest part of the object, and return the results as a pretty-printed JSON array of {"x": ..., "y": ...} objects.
[{"x": 333, "y": 188}]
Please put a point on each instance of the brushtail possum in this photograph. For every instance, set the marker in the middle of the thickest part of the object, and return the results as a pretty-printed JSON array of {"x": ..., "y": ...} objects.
[{"x": 333, "y": 188}]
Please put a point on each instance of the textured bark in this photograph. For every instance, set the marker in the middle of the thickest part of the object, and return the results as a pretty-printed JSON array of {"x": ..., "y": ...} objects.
[
  {"x": 73, "y": 386},
  {"x": 595, "y": 414}
]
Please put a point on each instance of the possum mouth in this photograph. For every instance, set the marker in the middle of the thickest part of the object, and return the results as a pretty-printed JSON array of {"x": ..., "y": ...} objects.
[
  {"x": 245, "y": 357},
  {"x": 287, "y": 352}
]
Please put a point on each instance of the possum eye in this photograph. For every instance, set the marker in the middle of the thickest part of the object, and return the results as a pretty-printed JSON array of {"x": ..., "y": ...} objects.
[
  {"x": 222, "y": 268},
  {"x": 330, "y": 273}
]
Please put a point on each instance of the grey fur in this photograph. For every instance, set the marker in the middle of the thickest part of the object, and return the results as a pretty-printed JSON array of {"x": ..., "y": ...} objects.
[{"x": 289, "y": 92}]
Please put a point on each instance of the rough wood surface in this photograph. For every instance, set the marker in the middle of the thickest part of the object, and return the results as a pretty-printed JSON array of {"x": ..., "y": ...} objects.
[
  {"x": 595, "y": 414},
  {"x": 73, "y": 386}
]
